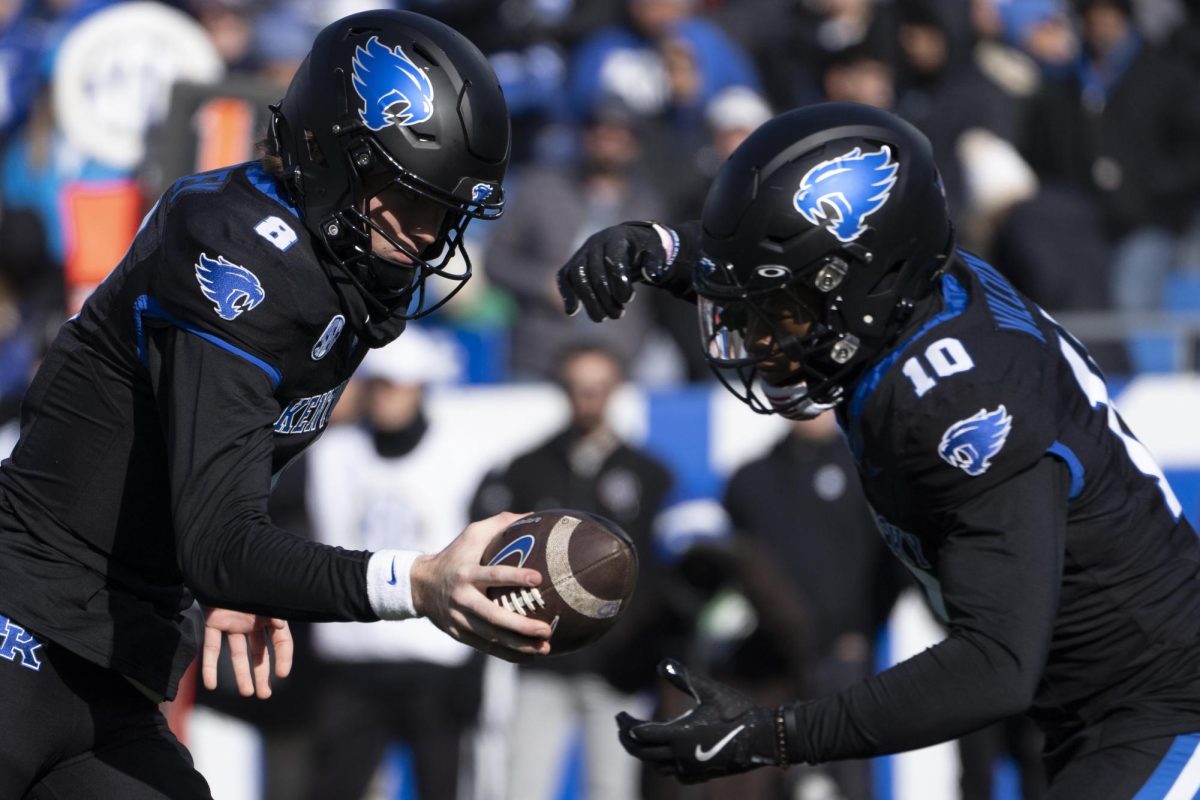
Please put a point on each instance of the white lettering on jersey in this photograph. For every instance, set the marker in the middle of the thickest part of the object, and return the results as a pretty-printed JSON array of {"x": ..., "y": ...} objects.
[
  {"x": 1097, "y": 394},
  {"x": 946, "y": 357},
  {"x": 277, "y": 232}
]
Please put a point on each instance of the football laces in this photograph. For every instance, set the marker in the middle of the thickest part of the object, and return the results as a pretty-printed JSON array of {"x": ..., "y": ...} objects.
[{"x": 522, "y": 601}]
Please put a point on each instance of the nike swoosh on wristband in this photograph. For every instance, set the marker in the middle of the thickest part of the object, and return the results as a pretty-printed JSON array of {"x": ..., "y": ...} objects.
[
  {"x": 707, "y": 755},
  {"x": 392, "y": 580}
]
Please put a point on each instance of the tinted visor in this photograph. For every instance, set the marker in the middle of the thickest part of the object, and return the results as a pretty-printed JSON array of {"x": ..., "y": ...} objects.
[{"x": 740, "y": 331}]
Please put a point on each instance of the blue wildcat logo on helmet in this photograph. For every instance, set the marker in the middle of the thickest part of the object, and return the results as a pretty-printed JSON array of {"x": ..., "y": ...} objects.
[
  {"x": 970, "y": 443},
  {"x": 394, "y": 90},
  {"x": 232, "y": 289},
  {"x": 844, "y": 191}
]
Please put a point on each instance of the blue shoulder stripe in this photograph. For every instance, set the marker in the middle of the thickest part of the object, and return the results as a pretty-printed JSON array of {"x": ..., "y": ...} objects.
[
  {"x": 260, "y": 180},
  {"x": 955, "y": 298},
  {"x": 147, "y": 306}
]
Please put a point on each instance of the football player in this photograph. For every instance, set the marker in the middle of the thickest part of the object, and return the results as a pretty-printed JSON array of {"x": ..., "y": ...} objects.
[
  {"x": 826, "y": 276},
  {"x": 210, "y": 358}
]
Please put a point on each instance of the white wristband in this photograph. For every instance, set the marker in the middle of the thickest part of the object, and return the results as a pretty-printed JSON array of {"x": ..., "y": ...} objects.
[
  {"x": 389, "y": 583},
  {"x": 670, "y": 242}
]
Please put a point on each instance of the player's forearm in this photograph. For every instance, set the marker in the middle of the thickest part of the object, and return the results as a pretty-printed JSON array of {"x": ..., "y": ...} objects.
[
  {"x": 999, "y": 569},
  {"x": 952, "y": 689},
  {"x": 251, "y": 565}
]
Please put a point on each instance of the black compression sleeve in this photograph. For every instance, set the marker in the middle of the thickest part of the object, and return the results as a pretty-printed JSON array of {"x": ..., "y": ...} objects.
[
  {"x": 999, "y": 569},
  {"x": 218, "y": 412}
]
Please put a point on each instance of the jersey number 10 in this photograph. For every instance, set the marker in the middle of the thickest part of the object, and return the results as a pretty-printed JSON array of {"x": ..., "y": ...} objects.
[{"x": 945, "y": 357}]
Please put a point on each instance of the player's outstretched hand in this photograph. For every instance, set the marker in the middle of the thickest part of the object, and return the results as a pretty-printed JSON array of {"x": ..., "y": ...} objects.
[
  {"x": 248, "y": 635},
  {"x": 601, "y": 274},
  {"x": 450, "y": 589},
  {"x": 725, "y": 733}
]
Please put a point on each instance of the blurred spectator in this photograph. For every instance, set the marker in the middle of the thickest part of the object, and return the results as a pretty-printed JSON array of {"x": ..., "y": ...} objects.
[
  {"x": 665, "y": 63},
  {"x": 802, "y": 504},
  {"x": 391, "y": 483},
  {"x": 1121, "y": 129},
  {"x": 554, "y": 209},
  {"x": 942, "y": 90},
  {"x": 729, "y": 118},
  {"x": 859, "y": 75},
  {"x": 586, "y": 466},
  {"x": 230, "y": 25},
  {"x": 1041, "y": 28},
  {"x": 793, "y": 41}
]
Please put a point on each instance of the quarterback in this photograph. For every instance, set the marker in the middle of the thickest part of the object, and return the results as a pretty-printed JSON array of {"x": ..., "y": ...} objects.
[
  {"x": 208, "y": 359},
  {"x": 826, "y": 276}
]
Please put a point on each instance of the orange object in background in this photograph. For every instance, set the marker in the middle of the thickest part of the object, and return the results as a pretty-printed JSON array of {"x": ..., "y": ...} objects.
[
  {"x": 100, "y": 220},
  {"x": 224, "y": 132}
]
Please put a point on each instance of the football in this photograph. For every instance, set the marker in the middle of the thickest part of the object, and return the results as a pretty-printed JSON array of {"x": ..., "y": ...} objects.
[{"x": 588, "y": 566}]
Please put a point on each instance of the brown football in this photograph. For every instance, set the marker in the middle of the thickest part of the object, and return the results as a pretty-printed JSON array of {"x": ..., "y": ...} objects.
[{"x": 588, "y": 566}]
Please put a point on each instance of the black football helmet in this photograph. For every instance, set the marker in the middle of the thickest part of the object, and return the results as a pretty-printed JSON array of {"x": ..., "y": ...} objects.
[
  {"x": 819, "y": 235},
  {"x": 392, "y": 101}
]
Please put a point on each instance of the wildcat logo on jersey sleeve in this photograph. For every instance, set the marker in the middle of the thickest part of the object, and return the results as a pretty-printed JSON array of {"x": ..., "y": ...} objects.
[
  {"x": 971, "y": 443},
  {"x": 844, "y": 191},
  {"x": 394, "y": 90},
  {"x": 233, "y": 289}
]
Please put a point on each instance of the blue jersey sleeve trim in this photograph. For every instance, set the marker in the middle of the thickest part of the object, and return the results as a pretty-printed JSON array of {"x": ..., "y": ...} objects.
[
  {"x": 147, "y": 306},
  {"x": 1183, "y": 750},
  {"x": 1073, "y": 464},
  {"x": 954, "y": 296},
  {"x": 260, "y": 180}
]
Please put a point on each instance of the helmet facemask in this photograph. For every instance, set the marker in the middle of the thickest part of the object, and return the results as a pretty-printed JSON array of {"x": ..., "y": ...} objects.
[
  {"x": 402, "y": 291},
  {"x": 773, "y": 346}
]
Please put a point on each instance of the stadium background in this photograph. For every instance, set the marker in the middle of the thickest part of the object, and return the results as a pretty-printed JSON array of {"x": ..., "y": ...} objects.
[{"x": 104, "y": 103}]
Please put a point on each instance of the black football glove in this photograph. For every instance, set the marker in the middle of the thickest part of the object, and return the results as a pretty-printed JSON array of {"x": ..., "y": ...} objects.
[
  {"x": 601, "y": 274},
  {"x": 724, "y": 734}
]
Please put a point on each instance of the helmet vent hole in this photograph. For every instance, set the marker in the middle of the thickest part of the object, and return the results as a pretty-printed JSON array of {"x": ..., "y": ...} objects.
[
  {"x": 314, "y": 148},
  {"x": 423, "y": 53}
]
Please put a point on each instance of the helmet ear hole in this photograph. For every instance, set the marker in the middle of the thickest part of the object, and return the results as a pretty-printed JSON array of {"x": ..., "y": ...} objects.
[{"x": 314, "y": 148}]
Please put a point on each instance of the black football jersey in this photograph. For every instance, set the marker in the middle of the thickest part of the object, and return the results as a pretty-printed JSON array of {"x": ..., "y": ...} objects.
[
  {"x": 1045, "y": 536},
  {"x": 205, "y": 362}
]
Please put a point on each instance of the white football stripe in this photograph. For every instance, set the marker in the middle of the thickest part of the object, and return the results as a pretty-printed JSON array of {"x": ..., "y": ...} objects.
[{"x": 558, "y": 564}]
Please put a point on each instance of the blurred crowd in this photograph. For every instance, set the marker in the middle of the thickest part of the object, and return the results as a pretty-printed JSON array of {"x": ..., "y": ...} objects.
[{"x": 1064, "y": 130}]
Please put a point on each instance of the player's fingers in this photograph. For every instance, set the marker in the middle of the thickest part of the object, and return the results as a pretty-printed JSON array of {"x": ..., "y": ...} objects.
[
  {"x": 619, "y": 282},
  {"x": 241, "y": 664},
  {"x": 209, "y": 656},
  {"x": 497, "y": 641},
  {"x": 493, "y": 617},
  {"x": 504, "y": 627},
  {"x": 479, "y": 534},
  {"x": 502, "y": 575},
  {"x": 650, "y": 265},
  {"x": 582, "y": 285},
  {"x": 598, "y": 276},
  {"x": 281, "y": 642},
  {"x": 260, "y": 664},
  {"x": 569, "y": 298}
]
